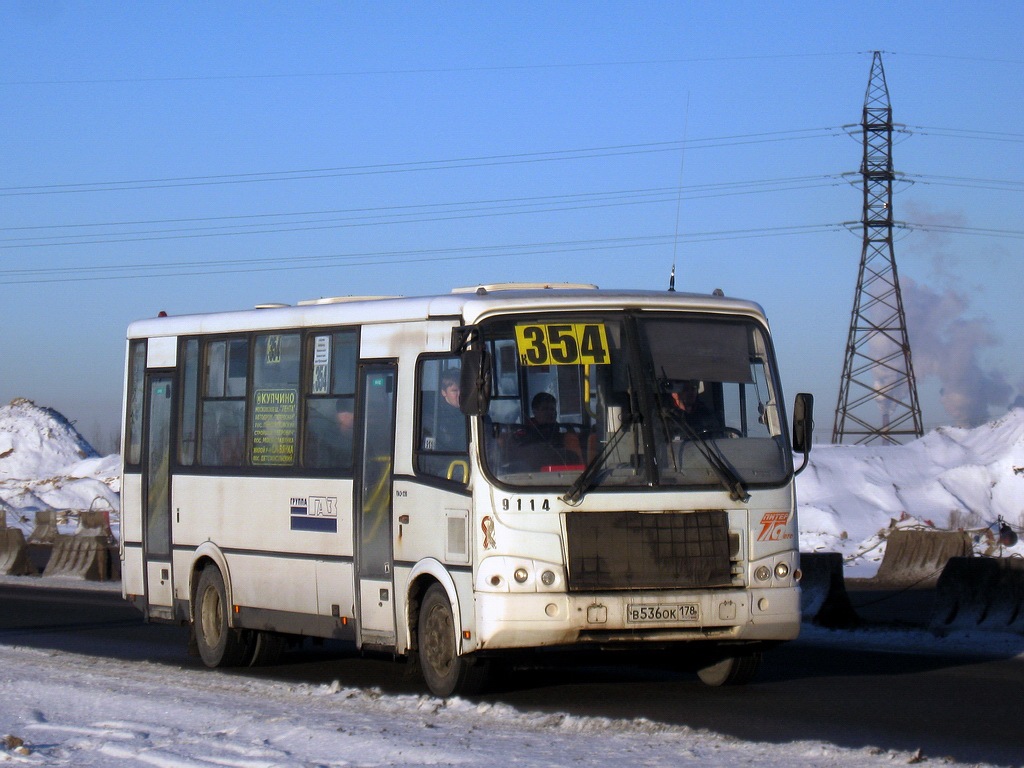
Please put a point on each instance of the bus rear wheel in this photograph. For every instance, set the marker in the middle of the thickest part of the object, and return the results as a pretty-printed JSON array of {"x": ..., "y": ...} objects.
[
  {"x": 731, "y": 670},
  {"x": 219, "y": 644},
  {"x": 445, "y": 672},
  {"x": 263, "y": 649}
]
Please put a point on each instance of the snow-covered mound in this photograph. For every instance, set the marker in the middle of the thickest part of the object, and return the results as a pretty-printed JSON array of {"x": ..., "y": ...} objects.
[
  {"x": 46, "y": 464},
  {"x": 37, "y": 442},
  {"x": 950, "y": 479}
]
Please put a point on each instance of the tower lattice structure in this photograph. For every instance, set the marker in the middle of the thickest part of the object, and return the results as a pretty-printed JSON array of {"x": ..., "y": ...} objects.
[{"x": 877, "y": 394}]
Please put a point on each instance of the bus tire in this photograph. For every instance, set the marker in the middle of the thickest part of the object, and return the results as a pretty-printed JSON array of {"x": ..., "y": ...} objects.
[
  {"x": 265, "y": 648},
  {"x": 445, "y": 672},
  {"x": 219, "y": 645},
  {"x": 731, "y": 670}
]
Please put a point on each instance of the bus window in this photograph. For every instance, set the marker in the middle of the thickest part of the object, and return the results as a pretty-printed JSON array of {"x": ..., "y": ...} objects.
[
  {"x": 330, "y": 400},
  {"x": 136, "y": 376},
  {"x": 329, "y": 433},
  {"x": 189, "y": 404},
  {"x": 223, "y": 406},
  {"x": 442, "y": 441}
]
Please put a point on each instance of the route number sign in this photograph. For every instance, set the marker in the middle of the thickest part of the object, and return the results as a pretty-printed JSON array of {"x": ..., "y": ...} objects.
[{"x": 562, "y": 344}]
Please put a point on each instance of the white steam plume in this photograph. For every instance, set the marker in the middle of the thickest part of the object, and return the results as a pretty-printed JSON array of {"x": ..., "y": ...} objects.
[{"x": 945, "y": 343}]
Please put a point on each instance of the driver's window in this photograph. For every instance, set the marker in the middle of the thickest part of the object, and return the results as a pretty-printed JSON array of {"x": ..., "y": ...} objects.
[{"x": 442, "y": 445}]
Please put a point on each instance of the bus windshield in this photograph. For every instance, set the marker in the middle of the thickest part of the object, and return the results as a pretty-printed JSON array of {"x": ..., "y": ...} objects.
[{"x": 633, "y": 398}]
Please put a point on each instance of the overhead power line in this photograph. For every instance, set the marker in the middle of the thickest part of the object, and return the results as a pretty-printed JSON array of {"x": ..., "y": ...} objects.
[
  {"x": 225, "y": 226},
  {"x": 380, "y": 258},
  {"x": 965, "y": 133},
  {"x": 981, "y": 59},
  {"x": 961, "y": 230},
  {"x": 1002, "y": 185},
  {"x": 511, "y": 68},
  {"x": 420, "y": 70},
  {"x": 420, "y": 165}
]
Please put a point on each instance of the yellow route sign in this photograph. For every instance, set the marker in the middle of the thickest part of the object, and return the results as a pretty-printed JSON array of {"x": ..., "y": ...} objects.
[{"x": 562, "y": 344}]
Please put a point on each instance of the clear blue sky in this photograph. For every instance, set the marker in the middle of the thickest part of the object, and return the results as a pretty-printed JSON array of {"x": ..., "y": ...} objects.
[{"x": 194, "y": 157}]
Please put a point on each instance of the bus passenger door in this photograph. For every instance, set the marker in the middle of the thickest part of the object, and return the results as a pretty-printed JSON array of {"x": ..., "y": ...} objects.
[
  {"x": 156, "y": 496},
  {"x": 372, "y": 505}
]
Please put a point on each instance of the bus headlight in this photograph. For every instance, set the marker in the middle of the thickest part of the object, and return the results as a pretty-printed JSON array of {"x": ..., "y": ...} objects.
[
  {"x": 500, "y": 573},
  {"x": 782, "y": 570},
  {"x": 763, "y": 573}
]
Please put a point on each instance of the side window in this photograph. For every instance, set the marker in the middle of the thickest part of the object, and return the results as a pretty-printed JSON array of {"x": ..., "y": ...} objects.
[
  {"x": 442, "y": 445},
  {"x": 330, "y": 400},
  {"x": 136, "y": 383},
  {"x": 226, "y": 366},
  {"x": 274, "y": 414},
  {"x": 189, "y": 403}
]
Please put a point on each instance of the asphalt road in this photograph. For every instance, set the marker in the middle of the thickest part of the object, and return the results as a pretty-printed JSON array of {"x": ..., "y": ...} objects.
[{"x": 963, "y": 707}]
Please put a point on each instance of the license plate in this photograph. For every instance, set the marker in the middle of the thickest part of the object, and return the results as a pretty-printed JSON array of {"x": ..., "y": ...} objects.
[{"x": 640, "y": 614}]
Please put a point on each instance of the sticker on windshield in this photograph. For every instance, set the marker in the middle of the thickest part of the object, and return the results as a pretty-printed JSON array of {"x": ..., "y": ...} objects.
[{"x": 562, "y": 344}]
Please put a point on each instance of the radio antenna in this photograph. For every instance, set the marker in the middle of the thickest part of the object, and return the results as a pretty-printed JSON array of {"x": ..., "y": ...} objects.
[{"x": 679, "y": 196}]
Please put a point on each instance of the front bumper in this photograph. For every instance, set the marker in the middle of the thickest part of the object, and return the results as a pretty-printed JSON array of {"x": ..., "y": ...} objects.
[{"x": 524, "y": 620}]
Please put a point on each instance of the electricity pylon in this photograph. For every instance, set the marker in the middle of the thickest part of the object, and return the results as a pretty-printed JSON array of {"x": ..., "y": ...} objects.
[{"x": 877, "y": 393}]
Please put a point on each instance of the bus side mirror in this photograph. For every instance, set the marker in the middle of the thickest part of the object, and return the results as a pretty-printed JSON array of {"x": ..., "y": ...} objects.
[
  {"x": 475, "y": 382},
  {"x": 803, "y": 424}
]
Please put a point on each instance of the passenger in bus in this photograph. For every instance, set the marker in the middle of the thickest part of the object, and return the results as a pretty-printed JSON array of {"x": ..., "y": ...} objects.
[
  {"x": 542, "y": 441},
  {"x": 451, "y": 422},
  {"x": 344, "y": 418},
  {"x": 443, "y": 439},
  {"x": 330, "y": 434}
]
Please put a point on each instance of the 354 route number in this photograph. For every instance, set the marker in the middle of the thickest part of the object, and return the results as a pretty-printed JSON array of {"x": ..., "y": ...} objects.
[{"x": 562, "y": 344}]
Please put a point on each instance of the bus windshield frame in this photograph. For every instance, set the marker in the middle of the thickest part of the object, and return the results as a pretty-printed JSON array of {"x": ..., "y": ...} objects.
[{"x": 619, "y": 399}]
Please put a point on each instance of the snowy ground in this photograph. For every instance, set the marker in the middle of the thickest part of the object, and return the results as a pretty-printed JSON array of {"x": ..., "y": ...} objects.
[
  {"x": 62, "y": 709},
  {"x": 83, "y": 711}
]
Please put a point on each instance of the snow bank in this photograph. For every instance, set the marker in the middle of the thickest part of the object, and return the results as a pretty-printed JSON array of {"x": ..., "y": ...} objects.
[
  {"x": 37, "y": 442},
  {"x": 46, "y": 464},
  {"x": 950, "y": 479}
]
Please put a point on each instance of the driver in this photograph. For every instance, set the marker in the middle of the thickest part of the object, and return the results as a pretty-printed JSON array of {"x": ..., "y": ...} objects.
[{"x": 686, "y": 409}]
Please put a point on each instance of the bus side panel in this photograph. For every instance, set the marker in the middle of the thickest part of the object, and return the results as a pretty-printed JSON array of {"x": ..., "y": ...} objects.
[
  {"x": 279, "y": 536},
  {"x": 431, "y": 522},
  {"x": 132, "y": 577}
]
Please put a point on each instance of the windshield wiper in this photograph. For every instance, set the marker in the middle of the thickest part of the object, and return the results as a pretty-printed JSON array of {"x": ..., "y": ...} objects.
[
  {"x": 583, "y": 482},
  {"x": 729, "y": 479}
]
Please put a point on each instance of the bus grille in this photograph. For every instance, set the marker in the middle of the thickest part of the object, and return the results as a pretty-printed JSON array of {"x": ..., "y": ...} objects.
[{"x": 664, "y": 550}]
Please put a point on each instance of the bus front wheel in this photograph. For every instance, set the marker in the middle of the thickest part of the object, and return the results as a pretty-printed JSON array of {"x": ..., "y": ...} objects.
[
  {"x": 219, "y": 644},
  {"x": 445, "y": 672},
  {"x": 731, "y": 670}
]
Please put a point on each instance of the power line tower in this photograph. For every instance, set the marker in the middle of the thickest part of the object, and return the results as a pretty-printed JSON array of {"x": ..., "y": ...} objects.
[{"x": 877, "y": 393}]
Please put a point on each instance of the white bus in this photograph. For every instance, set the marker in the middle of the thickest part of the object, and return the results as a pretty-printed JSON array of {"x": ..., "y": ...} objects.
[{"x": 459, "y": 478}]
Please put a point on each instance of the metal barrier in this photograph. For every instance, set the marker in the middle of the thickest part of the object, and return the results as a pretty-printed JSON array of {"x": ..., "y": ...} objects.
[
  {"x": 980, "y": 593},
  {"x": 823, "y": 597}
]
